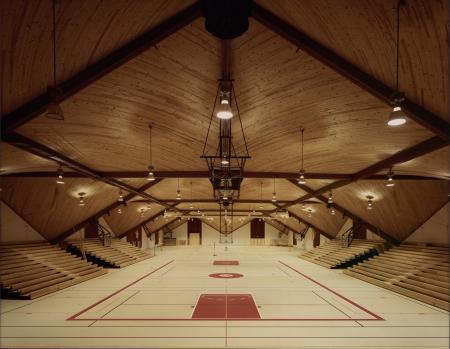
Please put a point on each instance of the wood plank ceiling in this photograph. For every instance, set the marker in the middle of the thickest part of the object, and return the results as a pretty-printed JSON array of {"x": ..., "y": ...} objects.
[{"x": 279, "y": 90}]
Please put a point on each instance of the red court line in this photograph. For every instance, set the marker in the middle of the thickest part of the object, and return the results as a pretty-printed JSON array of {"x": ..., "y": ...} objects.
[
  {"x": 376, "y": 317},
  {"x": 74, "y": 317}
]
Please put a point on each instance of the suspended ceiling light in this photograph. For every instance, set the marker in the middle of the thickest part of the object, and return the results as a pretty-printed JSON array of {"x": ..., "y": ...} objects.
[
  {"x": 397, "y": 117},
  {"x": 151, "y": 169},
  {"x": 309, "y": 212},
  {"x": 330, "y": 198},
  {"x": 54, "y": 110},
  {"x": 81, "y": 197},
  {"x": 301, "y": 178},
  {"x": 178, "y": 190},
  {"x": 191, "y": 206},
  {"x": 120, "y": 199},
  {"x": 142, "y": 212},
  {"x": 274, "y": 194},
  {"x": 119, "y": 210},
  {"x": 60, "y": 179},
  {"x": 224, "y": 111},
  {"x": 369, "y": 202},
  {"x": 390, "y": 179},
  {"x": 333, "y": 211}
]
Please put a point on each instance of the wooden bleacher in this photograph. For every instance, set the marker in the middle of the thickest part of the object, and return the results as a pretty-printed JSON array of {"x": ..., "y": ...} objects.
[
  {"x": 419, "y": 272},
  {"x": 118, "y": 255},
  {"x": 31, "y": 270},
  {"x": 333, "y": 254}
]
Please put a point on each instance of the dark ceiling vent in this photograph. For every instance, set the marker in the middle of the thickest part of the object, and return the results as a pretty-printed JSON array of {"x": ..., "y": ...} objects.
[{"x": 226, "y": 19}]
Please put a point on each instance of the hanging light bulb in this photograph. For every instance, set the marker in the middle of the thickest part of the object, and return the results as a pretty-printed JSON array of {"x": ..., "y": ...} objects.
[
  {"x": 301, "y": 178},
  {"x": 369, "y": 202},
  {"x": 81, "y": 201},
  {"x": 333, "y": 211},
  {"x": 150, "y": 175},
  {"x": 309, "y": 212},
  {"x": 397, "y": 117},
  {"x": 274, "y": 194},
  {"x": 224, "y": 111},
  {"x": 178, "y": 190},
  {"x": 390, "y": 179},
  {"x": 191, "y": 206},
  {"x": 120, "y": 199},
  {"x": 141, "y": 212},
  {"x": 330, "y": 198},
  {"x": 119, "y": 210},
  {"x": 60, "y": 179}
]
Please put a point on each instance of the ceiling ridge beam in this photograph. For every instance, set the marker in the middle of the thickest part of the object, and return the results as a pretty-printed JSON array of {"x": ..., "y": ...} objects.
[
  {"x": 101, "y": 213},
  {"x": 377, "y": 230},
  {"x": 92, "y": 73},
  {"x": 410, "y": 153},
  {"x": 419, "y": 114}
]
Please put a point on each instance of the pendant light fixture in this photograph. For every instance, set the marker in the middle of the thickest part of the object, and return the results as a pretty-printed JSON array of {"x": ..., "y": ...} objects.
[
  {"x": 142, "y": 212},
  {"x": 332, "y": 211},
  {"x": 81, "y": 199},
  {"x": 120, "y": 199},
  {"x": 60, "y": 178},
  {"x": 178, "y": 190},
  {"x": 224, "y": 111},
  {"x": 54, "y": 110},
  {"x": 119, "y": 210},
  {"x": 191, "y": 206},
  {"x": 330, "y": 197},
  {"x": 301, "y": 178},
  {"x": 397, "y": 116},
  {"x": 274, "y": 194},
  {"x": 369, "y": 202},
  {"x": 260, "y": 196},
  {"x": 390, "y": 178},
  {"x": 151, "y": 169},
  {"x": 309, "y": 212}
]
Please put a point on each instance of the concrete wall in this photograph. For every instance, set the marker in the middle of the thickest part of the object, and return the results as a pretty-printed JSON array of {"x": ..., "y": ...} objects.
[
  {"x": 14, "y": 228},
  {"x": 435, "y": 230}
]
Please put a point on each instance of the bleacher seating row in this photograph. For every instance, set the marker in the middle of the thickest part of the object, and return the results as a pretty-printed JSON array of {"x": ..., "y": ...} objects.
[
  {"x": 419, "y": 272},
  {"x": 119, "y": 254},
  {"x": 333, "y": 254},
  {"x": 30, "y": 270}
]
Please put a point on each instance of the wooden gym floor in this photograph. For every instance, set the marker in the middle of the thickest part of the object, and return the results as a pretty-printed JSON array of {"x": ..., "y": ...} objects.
[{"x": 270, "y": 299}]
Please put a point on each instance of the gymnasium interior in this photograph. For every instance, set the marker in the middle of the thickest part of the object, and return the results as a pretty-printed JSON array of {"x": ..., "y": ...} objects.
[{"x": 224, "y": 173}]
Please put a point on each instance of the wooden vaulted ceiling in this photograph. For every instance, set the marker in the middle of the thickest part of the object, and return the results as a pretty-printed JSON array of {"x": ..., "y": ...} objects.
[{"x": 279, "y": 89}]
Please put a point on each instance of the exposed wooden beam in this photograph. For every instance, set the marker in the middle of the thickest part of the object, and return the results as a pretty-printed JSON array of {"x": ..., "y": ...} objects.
[
  {"x": 419, "y": 114},
  {"x": 206, "y": 174},
  {"x": 45, "y": 152},
  {"x": 351, "y": 215},
  {"x": 102, "y": 212},
  {"x": 304, "y": 221},
  {"x": 137, "y": 226},
  {"x": 274, "y": 223},
  {"x": 410, "y": 153},
  {"x": 105, "y": 65}
]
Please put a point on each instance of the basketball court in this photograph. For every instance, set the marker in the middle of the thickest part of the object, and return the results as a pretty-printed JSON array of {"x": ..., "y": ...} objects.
[{"x": 183, "y": 298}]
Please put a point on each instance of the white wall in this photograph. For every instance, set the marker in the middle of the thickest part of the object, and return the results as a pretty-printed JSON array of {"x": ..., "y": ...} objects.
[
  {"x": 241, "y": 236},
  {"x": 435, "y": 230},
  {"x": 14, "y": 228}
]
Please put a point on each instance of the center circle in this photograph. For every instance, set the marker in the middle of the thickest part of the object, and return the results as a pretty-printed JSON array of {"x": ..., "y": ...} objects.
[{"x": 225, "y": 275}]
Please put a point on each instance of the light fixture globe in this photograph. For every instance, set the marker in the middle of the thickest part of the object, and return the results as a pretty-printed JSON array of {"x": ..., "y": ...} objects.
[{"x": 397, "y": 117}]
